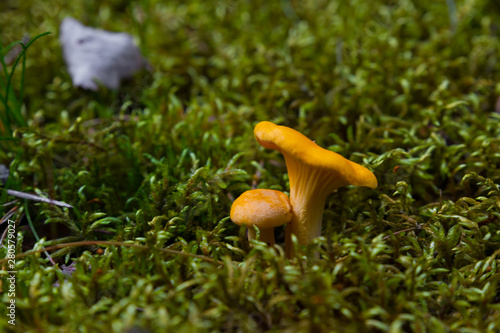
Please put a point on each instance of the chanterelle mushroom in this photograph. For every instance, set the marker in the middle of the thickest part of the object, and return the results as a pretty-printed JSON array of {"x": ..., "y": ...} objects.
[
  {"x": 313, "y": 172},
  {"x": 264, "y": 209}
]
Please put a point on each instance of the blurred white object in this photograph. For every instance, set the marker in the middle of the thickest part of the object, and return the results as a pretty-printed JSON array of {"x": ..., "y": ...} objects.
[{"x": 95, "y": 55}]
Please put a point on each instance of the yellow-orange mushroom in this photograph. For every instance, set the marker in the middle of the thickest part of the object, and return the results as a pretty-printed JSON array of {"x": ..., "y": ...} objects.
[
  {"x": 313, "y": 172},
  {"x": 264, "y": 209}
]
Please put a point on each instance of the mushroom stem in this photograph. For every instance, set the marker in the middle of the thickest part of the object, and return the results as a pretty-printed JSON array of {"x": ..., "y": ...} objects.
[
  {"x": 307, "y": 217},
  {"x": 266, "y": 235},
  {"x": 308, "y": 191}
]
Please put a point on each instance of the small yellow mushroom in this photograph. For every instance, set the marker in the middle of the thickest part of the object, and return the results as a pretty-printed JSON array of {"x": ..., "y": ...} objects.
[
  {"x": 314, "y": 172},
  {"x": 264, "y": 209}
]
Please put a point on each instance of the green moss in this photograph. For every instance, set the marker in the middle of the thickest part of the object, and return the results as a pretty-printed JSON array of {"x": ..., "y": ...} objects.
[{"x": 406, "y": 88}]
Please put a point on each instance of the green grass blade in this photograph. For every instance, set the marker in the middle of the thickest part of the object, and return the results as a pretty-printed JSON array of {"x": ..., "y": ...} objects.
[{"x": 15, "y": 113}]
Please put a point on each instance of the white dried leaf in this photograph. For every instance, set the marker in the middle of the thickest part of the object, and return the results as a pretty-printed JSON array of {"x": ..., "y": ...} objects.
[{"x": 95, "y": 55}]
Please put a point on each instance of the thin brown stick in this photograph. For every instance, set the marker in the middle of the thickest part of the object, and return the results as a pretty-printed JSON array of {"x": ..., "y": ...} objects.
[
  {"x": 398, "y": 232},
  {"x": 5, "y": 218},
  {"x": 10, "y": 203},
  {"x": 98, "y": 121},
  {"x": 9, "y": 214},
  {"x": 137, "y": 246}
]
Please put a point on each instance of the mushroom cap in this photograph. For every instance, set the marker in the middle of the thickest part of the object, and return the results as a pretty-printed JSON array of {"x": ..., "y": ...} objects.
[
  {"x": 261, "y": 208},
  {"x": 297, "y": 148}
]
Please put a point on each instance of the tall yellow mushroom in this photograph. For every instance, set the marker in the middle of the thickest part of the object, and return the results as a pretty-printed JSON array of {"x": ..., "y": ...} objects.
[{"x": 314, "y": 172}]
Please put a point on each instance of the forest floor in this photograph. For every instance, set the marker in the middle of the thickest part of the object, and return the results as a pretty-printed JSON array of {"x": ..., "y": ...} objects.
[{"x": 408, "y": 89}]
